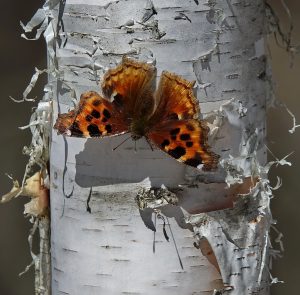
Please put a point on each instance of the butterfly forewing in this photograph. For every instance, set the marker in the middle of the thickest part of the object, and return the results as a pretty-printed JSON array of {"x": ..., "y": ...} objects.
[
  {"x": 94, "y": 117},
  {"x": 130, "y": 86},
  {"x": 175, "y": 99}
]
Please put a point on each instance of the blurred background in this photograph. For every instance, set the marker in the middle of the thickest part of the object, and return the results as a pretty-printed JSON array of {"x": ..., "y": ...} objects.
[{"x": 18, "y": 59}]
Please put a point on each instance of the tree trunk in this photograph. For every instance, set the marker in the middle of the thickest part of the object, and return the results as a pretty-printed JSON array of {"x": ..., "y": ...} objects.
[{"x": 220, "y": 44}]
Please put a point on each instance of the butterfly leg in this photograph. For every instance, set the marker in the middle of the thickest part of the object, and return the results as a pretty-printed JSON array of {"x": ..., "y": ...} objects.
[
  {"x": 121, "y": 142},
  {"x": 147, "y": 139}
]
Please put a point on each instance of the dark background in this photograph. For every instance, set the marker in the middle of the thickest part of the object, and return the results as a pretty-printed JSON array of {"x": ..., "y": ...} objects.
[{"x": 18, "y": 59}]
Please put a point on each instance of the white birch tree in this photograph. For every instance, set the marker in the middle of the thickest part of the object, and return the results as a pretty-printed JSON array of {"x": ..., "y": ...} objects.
[{"x": 219, "y": 238}]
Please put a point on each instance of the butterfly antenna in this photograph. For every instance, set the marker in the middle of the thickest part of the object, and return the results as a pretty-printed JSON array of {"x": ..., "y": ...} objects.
[
  {"x": 121, "y": 143},
  {"x": 173, "y": 238},
  {"x": 147, "y": 139},
  {"x": 135, "y": 145}
]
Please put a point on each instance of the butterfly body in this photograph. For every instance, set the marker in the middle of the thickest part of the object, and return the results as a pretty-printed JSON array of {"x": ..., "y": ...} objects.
[
  {"x": 138, "y": 128},
  {"x": 167, "y": 117}
]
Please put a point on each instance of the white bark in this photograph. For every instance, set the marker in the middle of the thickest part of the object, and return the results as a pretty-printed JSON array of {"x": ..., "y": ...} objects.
[{"x": 218, "y": 43}]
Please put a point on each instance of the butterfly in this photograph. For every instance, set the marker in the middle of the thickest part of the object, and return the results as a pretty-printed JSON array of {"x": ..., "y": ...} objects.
[{"x": 167, "y": 117}]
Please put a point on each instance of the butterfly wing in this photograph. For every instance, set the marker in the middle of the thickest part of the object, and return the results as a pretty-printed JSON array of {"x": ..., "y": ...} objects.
[
  {"x": 175, "y": 126},
  {"x": 93, "y": 117},
  {"x": 186, "y": 141},
  {"x": 175, "y": 99},
  {"x": 130, "y": 87}
]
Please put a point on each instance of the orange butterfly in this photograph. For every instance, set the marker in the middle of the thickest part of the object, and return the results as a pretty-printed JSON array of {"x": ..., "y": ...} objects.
[{"x": 167, "y": 117}]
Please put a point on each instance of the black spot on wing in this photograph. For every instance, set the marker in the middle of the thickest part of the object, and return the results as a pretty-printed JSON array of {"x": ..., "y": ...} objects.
[
  {"x": 189, "y": 144},
  {"x": 165, "y": 143},
  {"x": 118, "y": 100},
  {"x": 197, "y": 160},
  {"x": 75, "y": 130},
  {"x": 172, "y": 116},
  {"x": 190, "y": 127},
  {"x": 193, "y": 162},
  {"x": 94, "y": 130},
  {"x": 178, "y": 152},
  {"x": 175, "y": 131},
  {"x": 88, "y": 118},
  {"x": 106, "y": 113},
  {"x": 95, "y": 114},
  {"x": 104, "y": 120},
  {"x": 108, "y": 128},
  {"x": 96, "y": 102},
  {"x": 185, "y": 136}
]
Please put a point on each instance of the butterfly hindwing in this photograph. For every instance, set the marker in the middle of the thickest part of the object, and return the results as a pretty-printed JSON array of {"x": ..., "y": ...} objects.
[
  {"x": 93, "y": 117},
  {"x": 186, "y": 141}
]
